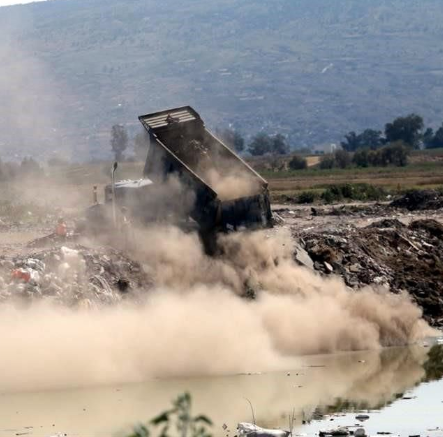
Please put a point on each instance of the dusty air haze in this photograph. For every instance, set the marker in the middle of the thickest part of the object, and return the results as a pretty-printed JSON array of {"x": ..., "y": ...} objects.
[{"x": 194, "y": 323}]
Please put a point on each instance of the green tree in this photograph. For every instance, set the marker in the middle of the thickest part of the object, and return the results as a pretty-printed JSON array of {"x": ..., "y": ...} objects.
[
  {"x": 263, "y": 144},
  {"x": 433, "y": 141},
  {"x": 119, "y": 141},
  {"x": 407, "y": 129},
  {"x": 428, "y": 138},
  {"x": 438, "y": 138},
  {"x": 327, "y": 161},
  {"x": 260, "y": 145},
  {"x": 342, "y": 159},
  {"x": 371, "y": 139},
  {"x": 376, "y": 159},
  {"x": 279, "y": 145},
  {"x": 351, "y": 143},
  {"x": 298, "y": 163},
  {"x": 361, "y": 158},
  {"x": 395, "y": 154}
]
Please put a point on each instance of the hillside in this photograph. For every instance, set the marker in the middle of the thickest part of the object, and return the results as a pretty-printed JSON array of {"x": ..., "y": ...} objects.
[{"x": 312, "y": 69}]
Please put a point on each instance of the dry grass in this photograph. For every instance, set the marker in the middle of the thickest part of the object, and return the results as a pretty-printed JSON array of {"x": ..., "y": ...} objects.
[
  {"x": 83, "y": 177},
  {"x": 70, "y": 187}
]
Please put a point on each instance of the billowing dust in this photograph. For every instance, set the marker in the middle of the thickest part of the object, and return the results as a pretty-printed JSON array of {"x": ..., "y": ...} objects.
[
  {"x": 231, "y": 184},
  {"x": 195, "y": 323}
]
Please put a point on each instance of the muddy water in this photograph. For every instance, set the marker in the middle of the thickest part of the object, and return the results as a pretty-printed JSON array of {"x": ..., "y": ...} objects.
[{"x": 314, "y": 388}]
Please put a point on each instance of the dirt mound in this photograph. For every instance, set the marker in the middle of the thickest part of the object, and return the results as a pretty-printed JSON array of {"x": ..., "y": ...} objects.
[
  {"x": 419, "y": 200},
  {"x": 405, "y": 258},
  {"x": 433, "y": 227},
  {"x": 73, "y": 276}
]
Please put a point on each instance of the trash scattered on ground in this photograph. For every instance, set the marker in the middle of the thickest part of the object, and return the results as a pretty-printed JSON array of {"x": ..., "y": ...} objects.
[
  {"x": 52, "y": 239},
  {"x": 341, "y": 431},
  {"x": 251, "y": 430},
  {"x": 73, "y": 276},
  {"x": 420, "y": 200},
  {"x": 385, "y": 253}
]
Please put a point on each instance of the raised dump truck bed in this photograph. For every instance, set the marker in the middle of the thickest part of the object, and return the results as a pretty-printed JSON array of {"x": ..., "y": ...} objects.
[{"x": 229, "y": 194}]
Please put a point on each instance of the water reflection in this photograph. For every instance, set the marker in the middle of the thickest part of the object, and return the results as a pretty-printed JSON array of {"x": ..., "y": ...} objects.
[
  {"x": 318, "y": 385},
  {"x": 414, "y": 409},
  {"x": 434, "y": 364}
]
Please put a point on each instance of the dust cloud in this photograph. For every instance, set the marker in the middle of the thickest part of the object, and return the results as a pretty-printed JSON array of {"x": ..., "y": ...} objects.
[
  {"x": 231, "y": 184},
  {"x": 195, "y": 323}
]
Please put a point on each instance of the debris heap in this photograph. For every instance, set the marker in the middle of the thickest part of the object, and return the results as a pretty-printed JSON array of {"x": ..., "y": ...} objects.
[
  {"x": 420, "y": 200},
  {"x": 73, "y": 276},
  {"x": 405, "y": 258}
]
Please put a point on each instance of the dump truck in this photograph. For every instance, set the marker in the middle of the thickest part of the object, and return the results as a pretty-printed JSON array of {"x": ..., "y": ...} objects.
[{"x": 192, "y": 179}]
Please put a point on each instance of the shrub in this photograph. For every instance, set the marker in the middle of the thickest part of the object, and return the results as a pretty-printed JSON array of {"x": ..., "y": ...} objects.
[
  {"x": 336, "y": 193},
  {"x": 361, "y": 158},
  {"x": 327, "y": 162},
  {"x": 342, "y": 159},
  {"x": 396, "y": 154},
  {"x": 307, "y": 197},
  {"x": 393, "y": 154},
  {"x": 298, "y": 163}
]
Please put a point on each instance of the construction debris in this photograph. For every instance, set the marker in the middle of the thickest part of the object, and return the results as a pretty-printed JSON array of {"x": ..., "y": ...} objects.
[
  {"x": 342, "y": 431},
  {"x": 420, "y": 200},
  {"x": 73, "y": 276},
  {"x": 386, "y": 253},
  {"x": 251, "y": 430}
]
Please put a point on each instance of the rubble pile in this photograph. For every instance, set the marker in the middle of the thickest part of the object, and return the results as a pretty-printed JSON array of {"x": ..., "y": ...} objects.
[
  {"x": 420, "y": 200},
  {"x": 364, "y": 210},
  {"x": 73, "y": 276},
  {"x": 387, "y": 253}
]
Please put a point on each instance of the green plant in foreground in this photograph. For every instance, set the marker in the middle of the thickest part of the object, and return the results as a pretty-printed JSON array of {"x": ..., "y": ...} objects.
[
  {"x": 360, "y": 192},
  {"x": 306, "y": 197},
  {"x": 177, "y": 421}
]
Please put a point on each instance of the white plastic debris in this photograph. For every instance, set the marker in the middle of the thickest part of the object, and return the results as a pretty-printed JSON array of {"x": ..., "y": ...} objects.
[
  {"x": 36, "y": 264},
  {"x": 334, "y": 432},
  {"x": 249, "y": 429}
]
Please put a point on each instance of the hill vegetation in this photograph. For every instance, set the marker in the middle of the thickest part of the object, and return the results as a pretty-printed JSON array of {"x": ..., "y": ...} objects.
[{"x": 308, "y": 69}]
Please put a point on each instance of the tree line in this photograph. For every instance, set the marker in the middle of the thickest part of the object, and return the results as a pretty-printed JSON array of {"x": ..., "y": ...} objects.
[
  {"x": 28, "y": 167},
  {"x": 391, "y": 147},
  {"x": 410, "y": 130},
  {"x": 371, "y": 147}
]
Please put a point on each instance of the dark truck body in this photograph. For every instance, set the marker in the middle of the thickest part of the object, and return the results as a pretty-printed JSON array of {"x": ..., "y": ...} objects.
[{"x": 181, "y": 146}]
